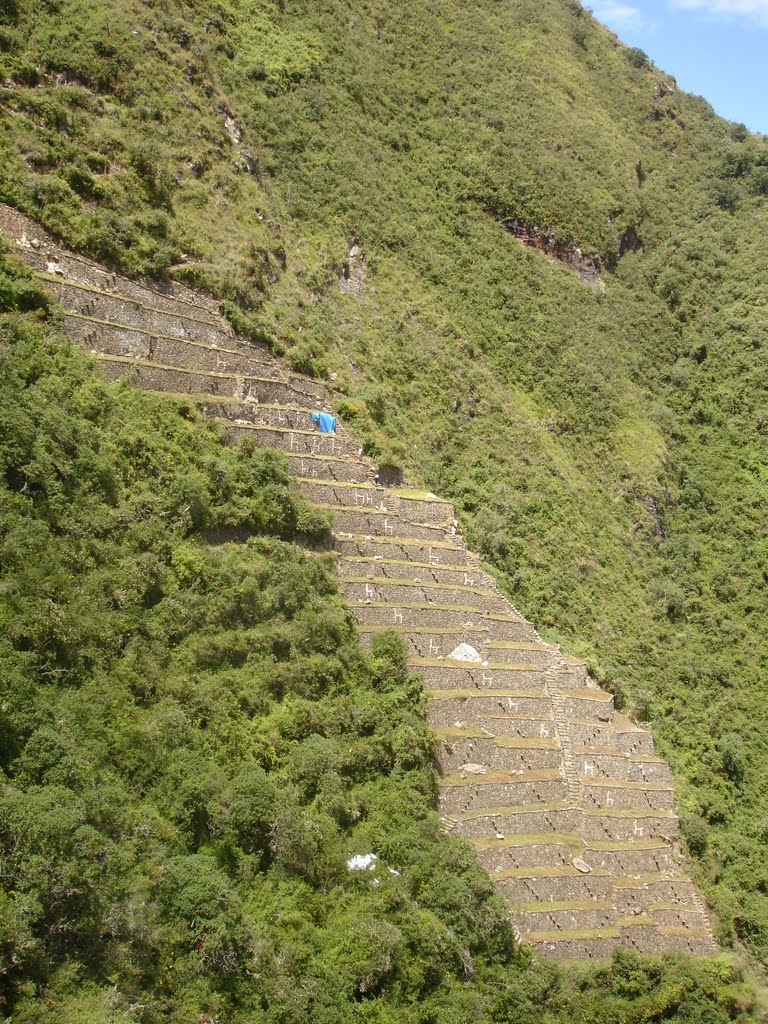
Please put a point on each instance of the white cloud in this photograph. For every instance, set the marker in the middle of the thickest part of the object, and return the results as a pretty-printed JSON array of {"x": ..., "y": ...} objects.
[
  {"x": 755, "y": 11},
  {"x": 617, "y": 15}
]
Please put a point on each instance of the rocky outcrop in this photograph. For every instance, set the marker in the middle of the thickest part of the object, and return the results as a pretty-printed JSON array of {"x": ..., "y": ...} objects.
[
  {"x": 535, "y": 236},
  {"x": 564, "y": 800}
]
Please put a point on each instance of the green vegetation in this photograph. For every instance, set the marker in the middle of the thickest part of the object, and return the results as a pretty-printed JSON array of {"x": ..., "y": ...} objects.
[
  {"x": 610, "y": 464},
  {"x": 193, "y": 742},
  {"x": 193, "y": 745}
]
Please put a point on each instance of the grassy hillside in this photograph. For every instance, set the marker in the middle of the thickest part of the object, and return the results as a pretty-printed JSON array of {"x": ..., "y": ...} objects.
[
  {"x": 344, "y": 177},
  {"x": 193, "y": 747}
]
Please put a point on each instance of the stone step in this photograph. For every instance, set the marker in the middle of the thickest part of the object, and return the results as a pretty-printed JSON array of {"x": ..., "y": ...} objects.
[
  {"x": 155, "y": 377},
  {"x": 587, "y": 703},
  {"x": 637, "y": 895},
  {"x": 699, "y": 943},
  {"x": 374, "y": 523},
  {"x": 446, "y": 552},
  {"x": 459, "y": 794},
  {"x": 509, "y": 627},
  {"x": 613, "y": 793},
  {"x": 297, "y": 442},
  {"x": 575, "y": 944},
  {"x": 500, "y": 724},
  {"x": 372, "y": 612},
  {"x": 457, "y": 675},
  {"x": 619, "y": 734},
  {"x": 407, "y": 593},
  {"x": 671, "y": 915},
  {"x": 526, "y": 851},
  {"x": 435, "y": 643},
  {"x": 643, "y": 857},
  {"x": 449, "y": 707},
  {"x": 292, "y": 417},
  {"x": 573, "y": 673},
  {"x": 331, "y": 467},
  {"x": 513, "y": 652},
  {"x": 119, "y": 309},
  {"x": 420, "y": 507},
  {"x": 342, "y": 495},
  {"x": 649, "y": 937},
  {"x": 430, "y": 643},
  {"x": 402, "y": 573},
  {"x": 522, "y": 820},
  {"x": 547, "y": 885},
  {"x": 498, "y": 755},
  {"x": 569, "y": 679},
  {"x": 622, "y": 824},
  {"x": 135, "y": 343},
  {"x": 381, "y": 499},
  {"x": 566, "y": 916},
  {"x": 592, "y": 763}
]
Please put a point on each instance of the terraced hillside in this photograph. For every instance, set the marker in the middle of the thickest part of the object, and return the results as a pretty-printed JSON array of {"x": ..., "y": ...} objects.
[{"x": 567, "y": 805}]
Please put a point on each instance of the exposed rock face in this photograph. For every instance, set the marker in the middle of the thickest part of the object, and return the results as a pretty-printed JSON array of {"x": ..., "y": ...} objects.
[
  {"x": 568, "y": 807},
  {"x": 587, "y": 266},
  {"x": 352, "y": 276},
  {"x": 464, "y": 652}
]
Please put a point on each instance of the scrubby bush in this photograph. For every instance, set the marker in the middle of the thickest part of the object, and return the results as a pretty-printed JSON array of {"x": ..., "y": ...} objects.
[
  {"x": 696, "y": 832},
  {"x": 637, "y": 58}
]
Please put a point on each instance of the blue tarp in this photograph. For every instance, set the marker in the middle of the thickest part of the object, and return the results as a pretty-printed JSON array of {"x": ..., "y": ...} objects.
[{"x": 326, "y": 421}]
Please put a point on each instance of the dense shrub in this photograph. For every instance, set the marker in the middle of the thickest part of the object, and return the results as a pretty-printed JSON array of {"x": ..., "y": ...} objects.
[{"x": 193, "y": 744}]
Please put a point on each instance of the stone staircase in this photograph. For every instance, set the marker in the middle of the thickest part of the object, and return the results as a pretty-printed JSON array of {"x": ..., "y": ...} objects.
[{"x": 563, "y": 798}]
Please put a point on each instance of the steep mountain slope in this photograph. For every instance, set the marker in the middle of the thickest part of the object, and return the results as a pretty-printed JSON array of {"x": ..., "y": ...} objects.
[
  {"x": 193, "y": 743},
  {"x": 354, "y": 178},
  {"x": 567, "y": 806}
]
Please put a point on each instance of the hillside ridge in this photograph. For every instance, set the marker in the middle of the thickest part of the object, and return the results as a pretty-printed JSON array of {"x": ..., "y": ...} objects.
[{"x": 564, "y": 800}]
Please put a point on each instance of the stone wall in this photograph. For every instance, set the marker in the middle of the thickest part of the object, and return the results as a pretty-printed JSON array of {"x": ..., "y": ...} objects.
[
  {"x": 507, "y": 855},
  {"x": 566, "y": 885},
  {"x": 402, "y": 549},
  {"x": 444, "y": 710},
  {"x": 469, "y": 794},
  {"x": 447, "y": 675},
  {"x": 118, "y": 310},
  {"x": 452, "y": 753},
  {"x": 524, "y": 821},
  {"x": 397, "y": 593}
]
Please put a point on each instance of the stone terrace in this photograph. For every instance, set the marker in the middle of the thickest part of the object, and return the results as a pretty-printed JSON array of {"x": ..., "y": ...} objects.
[{"x": 564, "y": 800}]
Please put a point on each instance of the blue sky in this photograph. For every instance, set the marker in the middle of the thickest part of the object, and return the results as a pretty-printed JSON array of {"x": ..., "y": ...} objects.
[{"x": 717, "y": 49}]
